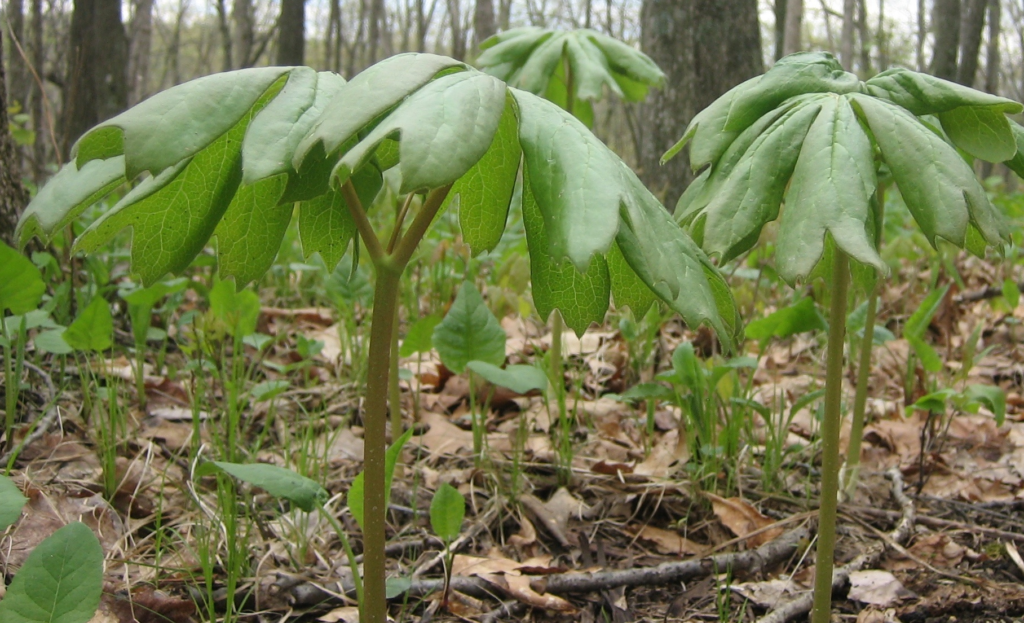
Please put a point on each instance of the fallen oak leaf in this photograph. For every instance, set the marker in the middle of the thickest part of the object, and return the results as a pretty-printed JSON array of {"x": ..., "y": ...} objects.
[
  {"x": 507, "y": 575},
  {"x": 669, "y": 542},
  {"x": 742, "y": 519}
]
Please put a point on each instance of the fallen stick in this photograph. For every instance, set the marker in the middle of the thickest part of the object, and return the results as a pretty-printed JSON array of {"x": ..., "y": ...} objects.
[{"x": 802, "y": 604}]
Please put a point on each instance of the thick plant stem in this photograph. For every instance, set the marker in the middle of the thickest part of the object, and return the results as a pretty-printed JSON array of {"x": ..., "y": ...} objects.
[
  {"x": 373, "y": 609},
  {"x": 394, "y": 391},
  {"x": 831, "y": 460},
  {"x": 860, "y": 399}
]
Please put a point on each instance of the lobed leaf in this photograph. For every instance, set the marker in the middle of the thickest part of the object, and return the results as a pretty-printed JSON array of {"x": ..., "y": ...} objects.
[
  {"x": 444, "y": 128},
  {"x": 922, "y": 94},
  {"x": 982, "y": 132},
  {"x": 830, "y": 192}
]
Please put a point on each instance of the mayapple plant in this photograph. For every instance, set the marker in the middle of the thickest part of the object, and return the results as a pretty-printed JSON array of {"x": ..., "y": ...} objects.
[
  {"x": 814, "y": 138},
  {"x": 234, "y": 155}
]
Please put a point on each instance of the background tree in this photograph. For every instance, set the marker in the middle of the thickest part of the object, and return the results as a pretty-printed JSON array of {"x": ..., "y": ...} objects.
[
  {"x": 96, "y": 87},
  {"x": 946, "y": 22},
  {"x": 972, "y": 23},
  {"x": 705, "y": 48},
  {"x": 793, "y": 33},
  {"x": 140, "y": 36},
  {"x": 291, "y": 33},
  {"x": 12, "y": 193},
  {"x": 483, "y": 21}
]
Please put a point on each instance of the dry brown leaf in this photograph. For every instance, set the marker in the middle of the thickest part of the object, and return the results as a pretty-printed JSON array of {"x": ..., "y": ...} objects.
[
  {"x": 669, "y": 542},
  {"x": 443, "y": 436},
  {"x": 872, "y": 615},
  {"x": 936, "y": 549},
  {"x": 504, "y": 573},
  {"x": 555, "y": 513},
  {"x": 345, "y": 447},
  {"x": 660, "y": 463},
  {"x": 770, "y": 593},
  {"x": 876, "y": 587},
  {"x": 348, "y": 614},
  {"x": 150, "y": 606},
  {"x": 741, "y": 518}
]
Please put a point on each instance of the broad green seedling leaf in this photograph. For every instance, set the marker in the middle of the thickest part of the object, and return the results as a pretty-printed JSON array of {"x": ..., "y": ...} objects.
[
  {"x": 93, "y": 329},
  {"x": 355, "y": 492},
  {"x": 521, "y": 379},
  {"x": 60, "y": 582},
  {"x": 277, "y": 481},
  {"x": 21, "y": 283},
  {"x": 992, "y": 397},
  {"x": 11, "y": 502},
  {"x": 799, "y": 317},
  {"x": 238, "y": 311},
  {"x": 469, "y": 332},
  {"x": 420, "y": 336},
  {"x": 447, "y": 509}
]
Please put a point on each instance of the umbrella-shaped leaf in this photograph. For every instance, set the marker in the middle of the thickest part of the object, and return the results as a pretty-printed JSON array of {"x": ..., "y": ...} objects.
[
  {"x": 1016, "y": 164},
  {"x": 830, "y": 193},
  {"x": 469, "y": 332},
  {"x": 60, "y": 582},
  {"x": 922, "y": 94}
]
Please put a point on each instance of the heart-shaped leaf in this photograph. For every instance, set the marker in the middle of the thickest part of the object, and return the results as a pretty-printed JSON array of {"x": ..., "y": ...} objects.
[{"x": 469, "y": 332}]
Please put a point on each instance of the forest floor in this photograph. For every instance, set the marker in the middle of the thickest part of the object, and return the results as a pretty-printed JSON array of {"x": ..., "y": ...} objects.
[{"x": 610, "y": 514}]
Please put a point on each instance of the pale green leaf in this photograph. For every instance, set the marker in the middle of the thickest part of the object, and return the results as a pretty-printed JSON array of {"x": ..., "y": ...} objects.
[
  {"x": 11, "y": 502},
  {"x": 1011, "y": 292},
  {"x": 628, "y": 290},
  {"x": 1016, "y": 164},
  {"x": 419, "y": 339},
  {"x": 444, "y": 128},
  {"x": 922, "y": 94},
  {"x": 369, "y": 95},
  {"x": 67, "y": 194},
  {"x": 521, "y": 379},
  {"x": 277, "y": 481},
  {"x": 152, "y": 133},
  {"x": 799, "y": 317},
  {"x": 249, "y": 234},
  {"x": 992, "y": 397},
  {"x": 237, "y": 310},
  {"x": 93, "y": 329},
  {"x": 21, "y": 283},
  {"x": 447, "y": 510},
  {"x": 60, "y": 582},
  {"x": 469, "y": 332},
  {"x": 52, "y": 341}
]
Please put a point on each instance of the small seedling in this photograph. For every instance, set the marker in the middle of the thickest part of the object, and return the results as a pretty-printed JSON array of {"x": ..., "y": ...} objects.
[{"x": 447, "y": 510}]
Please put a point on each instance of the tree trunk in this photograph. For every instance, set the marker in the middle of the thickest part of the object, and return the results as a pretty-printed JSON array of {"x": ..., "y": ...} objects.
[
  {"x": 39, "y": 124},
  {"x": 505, "y": 13},
  {"x": 96, "y": 88},
  {"x": 139, "y": 44},
  {"x": 865, "y": 38},
  {"x": 12, "y": 194},
  {"x": 922, "y": 33},
  {"x": 291, "y": 33},
  {"x": 226, "y": 38},
  {"x": 794, "y": 27},
  {"x": 946, "y": 21},
  {"x": 992, "y": 52},
  {"x": 883, "y": 38},
  {"x": 483, "y": 21},
  {"x": 243, "y": 34},
  {"x": 705, "y": 47},
  {"x": 335, "y": 37},
  {"x": 18, "y": 84},
  {"x": 846, "y": 37},
  {"x": 458, "y": 51},
  {"x": 780, "y": 28},
  {"x": 972, "y": 23},
  {"x": 376, "y": 14}
]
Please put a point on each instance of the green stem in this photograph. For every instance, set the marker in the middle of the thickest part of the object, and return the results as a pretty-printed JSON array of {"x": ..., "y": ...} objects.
[
  {"x": 864, "y": 367},
  {"x": 10, "y": 386},
  {"x": 394, "y": 391},
  {"x": 373, "y": 608},
  {"x": 830, "y": 441},
  {"x": 349, "y": 554}
]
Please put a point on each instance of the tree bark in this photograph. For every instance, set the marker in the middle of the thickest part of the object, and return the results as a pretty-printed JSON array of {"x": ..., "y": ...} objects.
[
  {"x": 39, "y": 123},
  {"x": 243, "y": 35},
  {"x": 12, "y": 194},
  {"x": 705, "y": 47},
  {"x": 96, "y": 87},
  {"x": 17, "y": 76},
  {"x": 483, "y": 21},
  {"x": 376, "y": 15},
  {"x": 946, "y": 21},
  {"x": 335, "y": 37},
  {"x": 992, "y": 52},
  {"x": 226, "y": 37},
  {"x": 972, "y": 23},
  {"x": 883, "y": 38},
  {"x": 291, "y": 33},
  {"x": 846, "y": 36},
  {"x": 922, "y": 33},
  {"x": 865, "y": 38},
  {"x": 780, "y": 28},
  {"x": 794, "y": 27},
  {"x": 458, "y": 50},
  {"x": 139, "y": 46}
]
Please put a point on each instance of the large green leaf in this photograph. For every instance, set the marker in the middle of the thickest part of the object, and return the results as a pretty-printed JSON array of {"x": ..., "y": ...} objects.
[
  {"x": 982, "y": 132},
  {"x": 251, "y": 230},
  {"x": 484, "y": 193},
  {"x": 830, "y": 193},
  {"x": 519, "y": 378},
  {"x": 21, "y": 283},
  {"x": 469, "y": 332},
  {"x": 152, "y": 135},
  {"x": 368, "y": 96},
  {"x": 581, "y": 297},
  {"x": 60, "y": 582},
  {"x": 797, "y": 318},
  {"x": 922, "y": 94},
  {"x": 939, "y": 188},
  {"x": 1016, "y": 164},
  {"x": 579, "y": 199},
  {"x": 444, "y": 128},
  {"x": 173, "y": 214},
  {"x": 67, "y": 194},
  {"x": 277, "y": 481}
]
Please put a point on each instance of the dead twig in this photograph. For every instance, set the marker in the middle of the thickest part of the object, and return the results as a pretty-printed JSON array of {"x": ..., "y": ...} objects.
[{"x": 802, "y": 604}]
